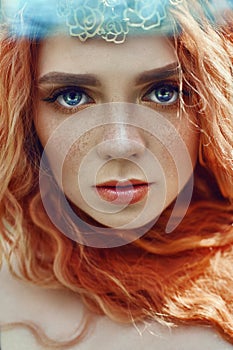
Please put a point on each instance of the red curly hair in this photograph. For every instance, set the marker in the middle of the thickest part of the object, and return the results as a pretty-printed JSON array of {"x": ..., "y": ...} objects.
[{"x": 185, "y": 276}]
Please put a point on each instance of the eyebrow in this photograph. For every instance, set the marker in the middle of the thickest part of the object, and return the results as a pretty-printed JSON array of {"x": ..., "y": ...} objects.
[
  {"x": 69, "y": 78},
  {"x": 158, "y": 73},
  {"x": 62, "y": 78}
]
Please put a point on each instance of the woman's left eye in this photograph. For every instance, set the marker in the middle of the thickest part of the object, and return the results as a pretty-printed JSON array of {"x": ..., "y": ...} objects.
[{"x": 165, "y": 94}]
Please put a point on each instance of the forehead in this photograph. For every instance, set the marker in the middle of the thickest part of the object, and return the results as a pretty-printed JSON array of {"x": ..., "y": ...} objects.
[{"x": 69, "y": 54}]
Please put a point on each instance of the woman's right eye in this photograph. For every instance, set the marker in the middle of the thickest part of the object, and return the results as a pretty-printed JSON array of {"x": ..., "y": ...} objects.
[
  {"x": 69, "y": 98},
  {"x": 72, "y": 99}
]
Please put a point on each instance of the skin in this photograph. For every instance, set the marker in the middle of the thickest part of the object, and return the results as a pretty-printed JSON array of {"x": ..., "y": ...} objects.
[{"x": 120, "y": 146}]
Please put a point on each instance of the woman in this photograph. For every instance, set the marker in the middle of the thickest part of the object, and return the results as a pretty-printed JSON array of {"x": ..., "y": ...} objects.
[{"x": 116, "y": 168}]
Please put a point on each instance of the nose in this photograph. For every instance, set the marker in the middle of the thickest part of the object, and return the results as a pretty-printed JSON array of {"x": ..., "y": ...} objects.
[{"x": 121, "y": 141}]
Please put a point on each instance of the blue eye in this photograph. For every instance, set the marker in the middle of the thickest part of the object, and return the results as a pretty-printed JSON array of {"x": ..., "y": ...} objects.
[
  {"x": 165, "y": 94},
  {"x": 72, "y": 98},
  {"x": 69, "y": 98}
]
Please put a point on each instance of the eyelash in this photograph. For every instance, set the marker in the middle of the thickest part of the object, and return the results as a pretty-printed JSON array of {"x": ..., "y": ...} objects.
[
  {"x": 60, "y": 93},
  {"x": 165, "y": 86},
  {"x": 55, "y": 95}
]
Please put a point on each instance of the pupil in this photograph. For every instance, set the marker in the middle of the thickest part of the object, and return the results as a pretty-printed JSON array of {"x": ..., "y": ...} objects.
[
  {"x": 164, "y": 94},
  {"x": 72, "y": 98}
]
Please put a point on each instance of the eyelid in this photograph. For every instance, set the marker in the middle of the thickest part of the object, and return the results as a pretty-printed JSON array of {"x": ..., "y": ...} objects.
[
  {"x": 55, "y": 93},
  {"x": 174, "y": 83},
  {"x": 62, "y": 90}
]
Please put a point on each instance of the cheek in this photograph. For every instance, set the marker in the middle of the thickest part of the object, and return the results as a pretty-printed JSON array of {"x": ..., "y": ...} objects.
[
  {"x": 72, "y": 161},
  {"x": 44, "y": 123},
  {"x": 187, "y": 131},
  {"x": 74, "y": 158},
  {"x": 177, "y": 154},
  {"x": 191, "y": 137}
]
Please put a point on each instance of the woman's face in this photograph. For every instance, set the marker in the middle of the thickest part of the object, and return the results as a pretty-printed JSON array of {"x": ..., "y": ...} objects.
[{"x": 110, "y": 121}]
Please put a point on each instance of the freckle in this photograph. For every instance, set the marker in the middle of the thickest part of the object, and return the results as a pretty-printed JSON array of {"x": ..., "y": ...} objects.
[
  {"x": 81, "y": 145},
  {"x": 84, "y": 142}
]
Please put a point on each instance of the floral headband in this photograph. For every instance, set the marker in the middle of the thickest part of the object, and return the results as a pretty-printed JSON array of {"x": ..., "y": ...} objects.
[
  {"x": 114, "y": 19},
  {"x": 111, "y": 20}
]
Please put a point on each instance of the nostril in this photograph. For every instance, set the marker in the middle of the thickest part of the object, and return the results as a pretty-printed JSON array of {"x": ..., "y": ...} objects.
[{"x": 120, "y": 148}]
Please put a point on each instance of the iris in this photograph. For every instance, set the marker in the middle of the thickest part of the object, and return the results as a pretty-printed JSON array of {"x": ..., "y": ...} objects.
[{"x": 72, "y": 98}]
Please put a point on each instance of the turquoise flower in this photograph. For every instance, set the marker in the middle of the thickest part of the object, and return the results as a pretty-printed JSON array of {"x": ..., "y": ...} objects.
[
  {"x": 146, "y": 14},
  {"x": 84, "y": 18}
]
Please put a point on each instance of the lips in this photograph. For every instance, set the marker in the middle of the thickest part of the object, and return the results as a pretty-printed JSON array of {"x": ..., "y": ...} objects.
[{"x": 123, "y": 192}]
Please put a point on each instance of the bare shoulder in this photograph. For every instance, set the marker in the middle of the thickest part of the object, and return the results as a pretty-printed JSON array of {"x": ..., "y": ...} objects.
[
  {"x": 49, "y": 309},
  {"x": 59, "y": 313},
  {"x": 108, "y": 335}
]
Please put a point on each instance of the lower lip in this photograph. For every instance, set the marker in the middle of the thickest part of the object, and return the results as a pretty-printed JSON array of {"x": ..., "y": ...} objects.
[{"x": 123, "y": 195}]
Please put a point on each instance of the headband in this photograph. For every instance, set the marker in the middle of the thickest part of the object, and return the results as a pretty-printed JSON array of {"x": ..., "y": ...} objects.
[{"x": 111, "y": 20}]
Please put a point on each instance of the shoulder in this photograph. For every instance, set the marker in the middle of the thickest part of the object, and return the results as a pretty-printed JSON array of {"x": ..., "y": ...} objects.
[
  {"x": 59, "y": 313},
  {"x": 49, "y": 309},
  {"x": 108, "y": 335}
]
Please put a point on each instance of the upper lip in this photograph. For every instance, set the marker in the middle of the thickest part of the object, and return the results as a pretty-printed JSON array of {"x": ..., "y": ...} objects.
[{"x": 122, "y": 183}]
